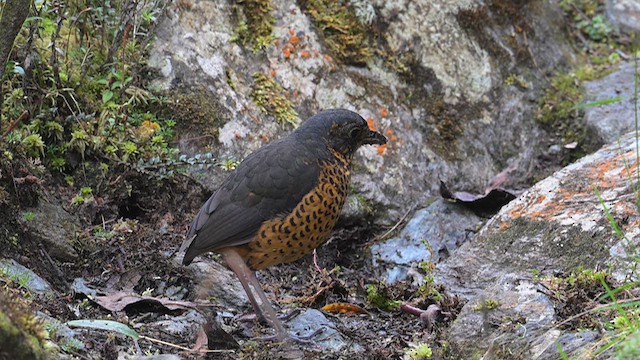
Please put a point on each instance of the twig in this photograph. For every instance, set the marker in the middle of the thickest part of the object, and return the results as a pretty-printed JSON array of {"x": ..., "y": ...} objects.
[
  {"x": 158, "y": 341},
  {"x": 14, "y": 124},
  {"x": 394, "y": 227}
]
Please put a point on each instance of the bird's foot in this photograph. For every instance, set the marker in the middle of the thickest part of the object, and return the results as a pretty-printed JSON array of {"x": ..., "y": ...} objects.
[
  {"x": 306, "y": 339},
  {"x": 252, "y": 317}
]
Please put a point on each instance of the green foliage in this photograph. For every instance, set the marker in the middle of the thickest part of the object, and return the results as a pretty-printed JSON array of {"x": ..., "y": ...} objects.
[
  {"x": 84, "y": 91},
  {"x": 378, "y": 297},
  {"x": 587, "y": 18},
  {"x": 486, "y": 305},
  {"x": 29, "y": 216},
  {"x": 270, "y": 98},
  {"x": 419, "y": 351},
  {"x": 597, "y": 28}
]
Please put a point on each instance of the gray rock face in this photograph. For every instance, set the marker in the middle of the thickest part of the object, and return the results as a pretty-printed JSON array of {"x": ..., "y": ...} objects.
[
  {"x": 624, "y": 14},
  {"x": 556, "y": 226},
  {"x": 430, "y": 235},
  {"x": 616, "y": 118},
  {"x": 25, "y": 277},
  {"x": 443, "y": 104},
  {"x": 54, "y": 227}
]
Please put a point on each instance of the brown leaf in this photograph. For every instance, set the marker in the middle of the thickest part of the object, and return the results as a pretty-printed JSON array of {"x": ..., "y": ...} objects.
[{"x": 120, "y": 300}]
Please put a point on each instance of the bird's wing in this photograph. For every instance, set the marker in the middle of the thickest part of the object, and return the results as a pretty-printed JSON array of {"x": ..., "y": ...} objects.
[{"x": 268, "y": 183}]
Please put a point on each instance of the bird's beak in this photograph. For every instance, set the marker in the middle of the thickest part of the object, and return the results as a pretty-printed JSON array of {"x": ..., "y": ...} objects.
[{"x": 374, "y": 138}]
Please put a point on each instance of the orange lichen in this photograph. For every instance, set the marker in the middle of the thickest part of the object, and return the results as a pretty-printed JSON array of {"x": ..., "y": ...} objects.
[
  {"x": 287, "y": 50},
  {"x": 238, "y": 136},
  {"x": 372, "y": 126},
  {"x": 305, "y": 54},
  {"x": 384, "y": 112},
  {"x": 272, "y": 72},
  {"x": 382, "y": 148}
]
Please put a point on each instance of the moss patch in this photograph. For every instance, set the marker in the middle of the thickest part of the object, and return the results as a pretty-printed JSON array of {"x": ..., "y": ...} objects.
[
  {"x": 558, "y": 110},
  {"x": 343, "y": 34},
  {"x": 270, "y": 98},
  {"x": 191, "y": 108},
  {"x": 21, "y": 334},
  {"x": 256, "y": 25}
]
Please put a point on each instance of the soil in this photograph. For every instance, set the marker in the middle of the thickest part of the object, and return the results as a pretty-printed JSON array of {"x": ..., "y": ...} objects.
[{"x": 130, "y": 232}]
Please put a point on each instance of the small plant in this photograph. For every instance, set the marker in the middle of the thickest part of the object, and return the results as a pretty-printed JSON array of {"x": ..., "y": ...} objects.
[
  {"x": 487, "y": 305},
  {"x": 29, "y": 216},
  {"x": 419, "y": 351},
  {"x": 85, "y": 194},
  {"x": 377, "y": 296},
  {"x": 597, "y": 28}
]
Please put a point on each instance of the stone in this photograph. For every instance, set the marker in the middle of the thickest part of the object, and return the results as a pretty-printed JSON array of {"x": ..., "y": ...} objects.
[
  {"x": 614, "y": 119},
  {"x": 25, "y": 277},
  {"x": 53, "y": 226},
  {"x": 555, "y": 227},
  {"x": 432, "y": 234},
  {"x": 624, "y": 15}
]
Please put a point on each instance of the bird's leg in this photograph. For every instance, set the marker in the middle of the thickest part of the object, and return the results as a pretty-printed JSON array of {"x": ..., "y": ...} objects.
[{"x": 256, "y": 295}]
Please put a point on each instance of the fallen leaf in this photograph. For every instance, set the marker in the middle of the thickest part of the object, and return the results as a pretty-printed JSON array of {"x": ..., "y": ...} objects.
[
  {"x": 488, "y": 203},
  {"x": 344, "y": 308},
  {"x": 121, "y": 300}
]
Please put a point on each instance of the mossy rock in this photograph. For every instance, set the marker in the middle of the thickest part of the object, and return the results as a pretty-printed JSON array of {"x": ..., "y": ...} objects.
[{"x": 21, "y": 334}]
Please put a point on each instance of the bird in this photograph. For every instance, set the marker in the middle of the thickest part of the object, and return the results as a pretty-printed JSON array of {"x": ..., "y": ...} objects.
[{"x": 281, "y": 202}]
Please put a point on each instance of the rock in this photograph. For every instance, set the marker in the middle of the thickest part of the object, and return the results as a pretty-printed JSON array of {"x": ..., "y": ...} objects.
[
  {"x": 546, "y": 346},
  {"x": 25, "y": 277},
  {"x": 556, "y": 226},
  {"x": 53, "y": 226},
  {"x": 64, "y": 336},
  {"x": 183, "y": 325},
  {"x": 443, "y": 226},
  {"x": 310, "y": 320},
  {"x": 624, "y": 14},
  {"x": 434, "y": 85},
  {"x": 509, "y": 314},
  {"x": 214, "y": 281},
  {"x": 617, "y": 118}
]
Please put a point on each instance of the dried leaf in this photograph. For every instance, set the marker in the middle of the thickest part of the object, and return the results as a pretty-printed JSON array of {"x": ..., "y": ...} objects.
[
  {"x": 344, "y": 308},
  {"x": 488, "y": 203},
  {"x": 120, "y": 300}
]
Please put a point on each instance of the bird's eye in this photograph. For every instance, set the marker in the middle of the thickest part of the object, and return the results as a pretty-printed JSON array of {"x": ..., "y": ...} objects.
[{"x": 354, "y": 133}]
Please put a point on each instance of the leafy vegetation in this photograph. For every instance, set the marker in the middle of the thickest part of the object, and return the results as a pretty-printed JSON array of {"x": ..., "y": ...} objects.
[{"x": 77, "y": 90}]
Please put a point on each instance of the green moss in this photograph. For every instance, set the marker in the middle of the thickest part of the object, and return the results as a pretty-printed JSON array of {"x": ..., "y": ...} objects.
[
  {"x": 377, "y": 295},
  {"x": 191, "y": 107},
  {"x": 256, "y": 29},
  {"x": 343, "y": 34},
  {"x": 21, "y": 334},
  {"x": 559, "y": 113},
  {"x": 487, "y": 305},
  {"x": 270, "y": 98}
]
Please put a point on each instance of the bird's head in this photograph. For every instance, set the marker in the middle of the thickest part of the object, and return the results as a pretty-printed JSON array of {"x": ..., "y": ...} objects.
[{"x": 342, "y": 130}]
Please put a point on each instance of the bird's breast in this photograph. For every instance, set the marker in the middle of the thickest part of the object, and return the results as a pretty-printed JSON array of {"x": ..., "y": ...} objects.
[{"x": 288, "y": 238}]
